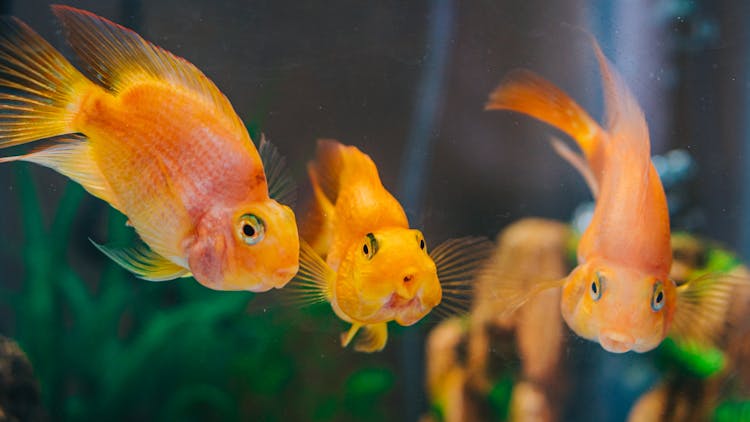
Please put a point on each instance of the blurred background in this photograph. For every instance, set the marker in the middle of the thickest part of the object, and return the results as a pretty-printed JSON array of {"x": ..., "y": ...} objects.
[{"x": 406, "y": 82}]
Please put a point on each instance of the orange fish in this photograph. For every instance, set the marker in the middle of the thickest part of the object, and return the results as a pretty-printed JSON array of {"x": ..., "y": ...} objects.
[
  {"x": 376, "y": 268},
  {"x": 620, "y": 293},
  {"x": 153, "y": 137}
]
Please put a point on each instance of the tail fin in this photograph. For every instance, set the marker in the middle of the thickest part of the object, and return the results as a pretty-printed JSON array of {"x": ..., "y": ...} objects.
[
  {"x": 528, "y": 93},
  {"x": 40, "y": 91}
]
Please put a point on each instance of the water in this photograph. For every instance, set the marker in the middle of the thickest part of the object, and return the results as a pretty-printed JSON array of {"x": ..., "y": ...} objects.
[{"x": 405, "y": 82}]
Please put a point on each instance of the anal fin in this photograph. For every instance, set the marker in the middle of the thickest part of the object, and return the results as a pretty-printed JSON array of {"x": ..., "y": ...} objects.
[
  {"x": 578, "y": 162},
  {"x": 372, "y": 338},
  {"x": 143, "y": 262},
  {"x": 72, "y": 157},
  {"x": 346, "y": 337}
]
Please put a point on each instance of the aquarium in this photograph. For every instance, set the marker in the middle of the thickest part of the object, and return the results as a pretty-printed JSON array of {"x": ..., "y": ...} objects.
[{"x": 371, "y": 211}]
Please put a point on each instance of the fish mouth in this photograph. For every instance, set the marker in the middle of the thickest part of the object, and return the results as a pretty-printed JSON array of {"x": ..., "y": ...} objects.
[
  {"x": 397, "y": 308},
  {"x": 282, "y": 276},
  {"x": 405, "y": 311},
  {"x": 397, "y": 303},
  {"x": 263, "y": 283},
  {"x": 616, "y": 342}
]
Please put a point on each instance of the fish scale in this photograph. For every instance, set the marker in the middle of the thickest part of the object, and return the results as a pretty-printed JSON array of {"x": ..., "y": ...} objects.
[
  {"x": 619, "y": 294},
  {"x": 376, "y": 268},
  {"x": 160, "y": 143},
  {"x": 165, "y": 164}
]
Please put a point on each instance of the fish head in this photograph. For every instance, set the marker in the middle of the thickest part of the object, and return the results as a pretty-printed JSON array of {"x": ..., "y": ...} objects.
[
  {"x": 622, "y": 308},
  {"x": 254, "y": 247},
  {"x": 387, "y": 276}
]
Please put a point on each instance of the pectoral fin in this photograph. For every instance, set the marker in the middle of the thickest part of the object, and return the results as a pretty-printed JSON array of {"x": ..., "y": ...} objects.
[
  {"x": 702, "y": 305},
  {"x": 457, "y": 262},
  {"x": 143, "y": 262},
  {"x": 313, "y": 281},
  {"x": 372, "y": 338}
]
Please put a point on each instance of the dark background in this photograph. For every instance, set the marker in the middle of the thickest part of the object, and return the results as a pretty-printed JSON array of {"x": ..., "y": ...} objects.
[{"x": 406, "y": 82}]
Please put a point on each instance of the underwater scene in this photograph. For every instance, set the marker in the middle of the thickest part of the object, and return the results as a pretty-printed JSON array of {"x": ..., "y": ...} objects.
[{"x": 374, "y": 211}]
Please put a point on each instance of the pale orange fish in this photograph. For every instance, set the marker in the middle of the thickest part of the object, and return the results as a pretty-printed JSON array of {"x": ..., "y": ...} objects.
[
  {"x": 620, "y": 294},
  {"x": 376, "y": 268},
  {"x": 155, "y": 138}
]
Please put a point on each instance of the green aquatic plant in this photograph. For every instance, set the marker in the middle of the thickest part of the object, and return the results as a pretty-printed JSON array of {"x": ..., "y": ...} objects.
[
  {"x": 114, "y": 347},
  {"x": 692, "y": 359},
  {"x": 732, "y": 411}
]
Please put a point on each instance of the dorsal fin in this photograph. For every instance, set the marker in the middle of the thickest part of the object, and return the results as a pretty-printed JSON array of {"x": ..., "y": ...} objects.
[
  {"x": 316, "y": 222},
  {"x": 624, "y": 118},
  {"x": 281, "y": 184},
  {"x": 327, "y": 167},
  {"x": 119, "y": 58}
]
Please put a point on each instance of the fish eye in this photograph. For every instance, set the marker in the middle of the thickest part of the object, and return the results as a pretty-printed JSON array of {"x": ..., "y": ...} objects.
[
  {"x": 657, "y": 298},
  {"x": 596, "y": 287},
  {"x": 370, "y": 247},
  {"x": 421, "y": 242},
  {"x": 251, "y": 229}
]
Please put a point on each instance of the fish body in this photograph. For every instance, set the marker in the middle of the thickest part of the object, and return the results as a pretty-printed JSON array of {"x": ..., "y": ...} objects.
[
  {"x": 362, "y": 256},
  {"x": 159, "y": 142},
  {"x": 620, "y": 294}
]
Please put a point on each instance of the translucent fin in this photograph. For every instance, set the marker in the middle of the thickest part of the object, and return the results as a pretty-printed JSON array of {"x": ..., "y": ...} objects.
[
  {"x": 527, "y": 93},
  {"x": 509, "y": 292},
  {"x": 702, "y": 305},
  {"x": 39, "y": 90},
  {"x": 346, "y": 337},
  {"x": 625, "y": 120},
  {"x": 578, "y": 162},
  {"x": 143, "y": 262},
  {"x": 313, "y": 281},
  {"x": 72, "y": 158},
  {"x": 281, "y": 185},
  {"x": 119, "y": 58},
  {"x": 457, "y": 262},
  {"x": 372, "y": 338}
]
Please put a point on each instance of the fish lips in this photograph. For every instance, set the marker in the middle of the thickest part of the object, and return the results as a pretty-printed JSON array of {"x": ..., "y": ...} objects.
[
  {"x": 619, "y": 342},
  {"x": 406, "y": 311}
]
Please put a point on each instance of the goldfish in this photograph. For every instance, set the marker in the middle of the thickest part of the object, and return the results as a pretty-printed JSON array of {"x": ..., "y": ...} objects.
[
  {"x": 151, "y": 135},
  {"x": 620, "y": 293},
  {"x": 359, "y": 254}
]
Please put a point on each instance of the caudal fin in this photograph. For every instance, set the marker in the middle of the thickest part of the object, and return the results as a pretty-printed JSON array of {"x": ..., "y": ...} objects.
[{"x": 40, "y": 91}]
